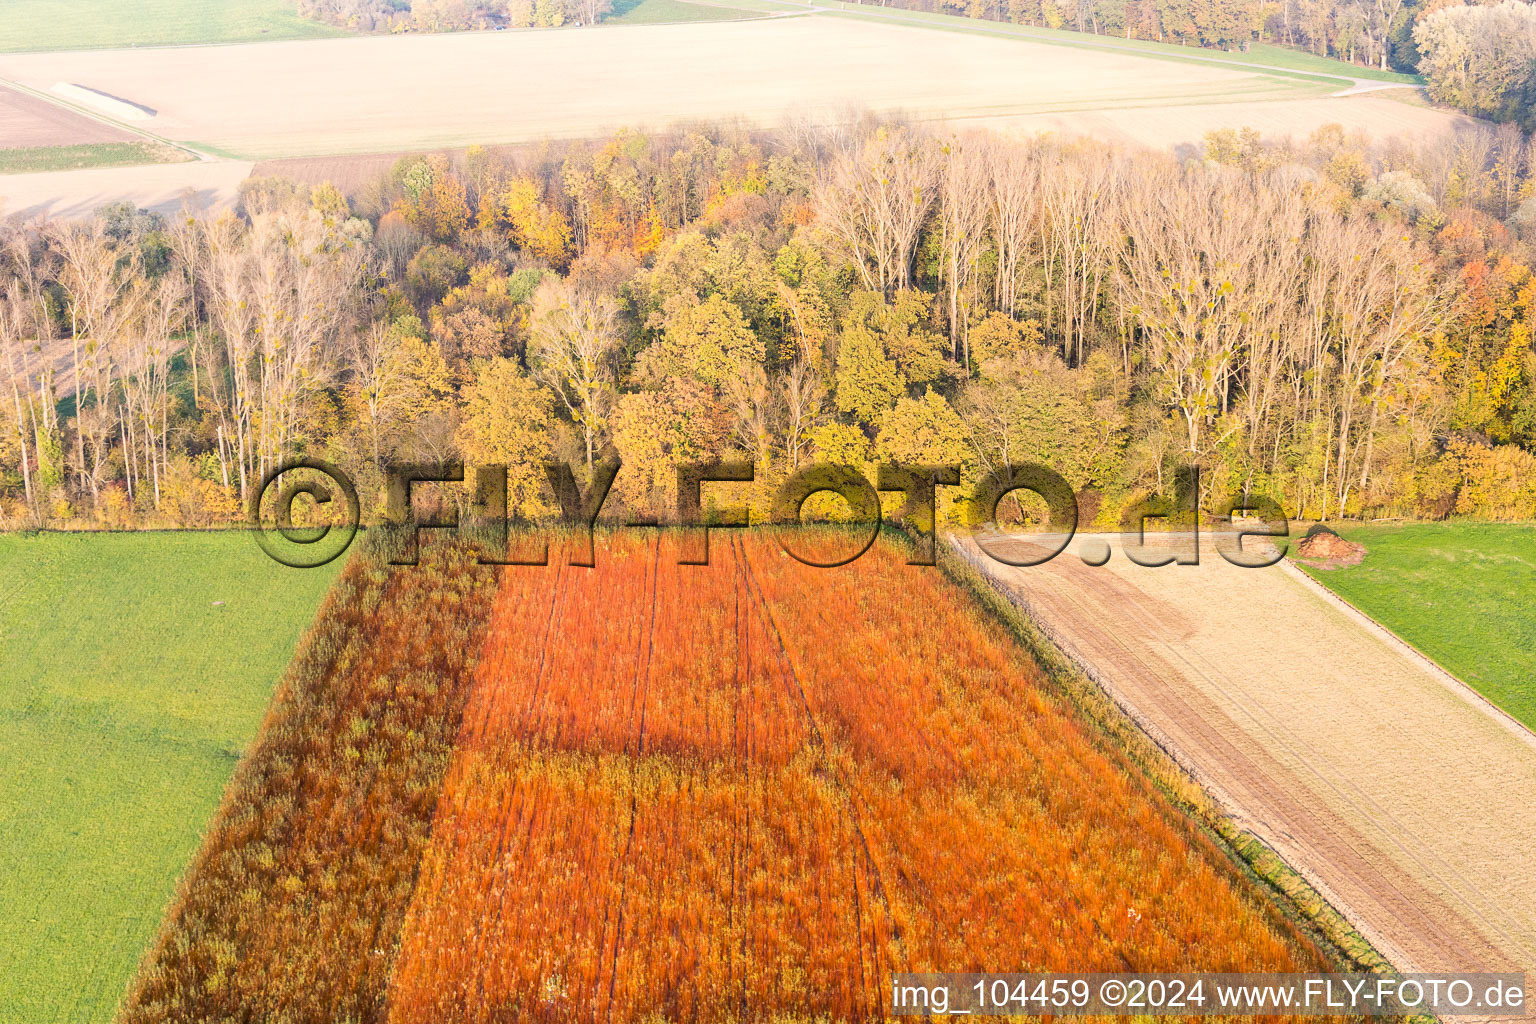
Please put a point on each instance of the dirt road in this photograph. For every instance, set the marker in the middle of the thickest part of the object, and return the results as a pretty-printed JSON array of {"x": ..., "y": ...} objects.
[{"x": 1402, "y": 797}]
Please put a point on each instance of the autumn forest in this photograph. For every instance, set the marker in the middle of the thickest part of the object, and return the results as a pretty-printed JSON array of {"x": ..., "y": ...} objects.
[{"x": 1342, "y": 325}]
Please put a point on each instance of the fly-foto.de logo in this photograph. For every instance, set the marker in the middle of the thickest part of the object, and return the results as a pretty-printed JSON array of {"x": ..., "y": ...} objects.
[{"x": 332, "y": 493}]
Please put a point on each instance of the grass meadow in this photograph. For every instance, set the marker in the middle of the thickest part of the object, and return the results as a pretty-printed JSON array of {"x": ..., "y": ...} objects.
[
  {"x": 90, "y": 154},
  {"x": 89, "y": 24},
  {"x": 668, "y": 12},
  {"x": 1460, "y": 593},
  {"x": 135, "y": 669}
]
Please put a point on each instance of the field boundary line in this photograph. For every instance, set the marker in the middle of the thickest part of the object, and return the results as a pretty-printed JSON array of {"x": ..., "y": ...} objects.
[
  {"x": 879, "y": 892},
  {"x": 1223, "y": 804},
  {"x": 1078, "y": 661},
  {"x": 100, "y": 118},
  {"x": 1416, "y": 656}
]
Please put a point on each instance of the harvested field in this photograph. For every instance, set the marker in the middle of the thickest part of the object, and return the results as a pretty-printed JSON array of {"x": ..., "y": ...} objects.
[
  {"x": 1392, "y": 788},
  {"x": 27, "y": 122},
  {"x": 1378, "y": 115},
  {"x": 326, "y": 99},
  {"x": 163, "y": 187},
  {"x": 649, "y": 791},
  {"x": 329, "y": 96},
  {"x": 349, "y": 173}
]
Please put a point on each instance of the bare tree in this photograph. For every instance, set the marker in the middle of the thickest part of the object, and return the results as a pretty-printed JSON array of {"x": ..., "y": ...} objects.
[
  {"x": 231, "y": 313},
  {"x": 755, "y": 407},
  {"x": 1015, "y": 206},
  {"x": 804, "y": 397},
  {"x": 575, "y": 336},
  {"x": 873, "y": 201},
  {"x": 302, "y": 292},
  {"x": 1267, "y": 301},
  {"x": 16, "y": 345},
  {"x": 1381, "y": 300},
  {"x": 1194, "y": 275},
  {"x": 103, "y": 287},
  {"x": 149, "y": 344},
  {"x": 963, "y": 216},
  {"x": 1081, "y": 190},
  {"x": 281, "y": 293}
]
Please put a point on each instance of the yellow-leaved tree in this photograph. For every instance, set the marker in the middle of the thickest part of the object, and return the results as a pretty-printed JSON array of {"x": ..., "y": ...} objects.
[{"x": 506, "y": 422}]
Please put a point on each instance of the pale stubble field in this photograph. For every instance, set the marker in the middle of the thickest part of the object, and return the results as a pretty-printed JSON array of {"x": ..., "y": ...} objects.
[
  {"x": 351, "y": 99},
  {"x": 380, "y": 94}
]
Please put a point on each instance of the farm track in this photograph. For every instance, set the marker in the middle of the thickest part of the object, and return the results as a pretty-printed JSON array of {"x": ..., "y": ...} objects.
[{"x": 1401, "y": 799}]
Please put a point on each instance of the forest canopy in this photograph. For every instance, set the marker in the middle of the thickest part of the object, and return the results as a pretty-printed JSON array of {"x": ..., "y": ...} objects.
[{"x": 1342, "y": 326}]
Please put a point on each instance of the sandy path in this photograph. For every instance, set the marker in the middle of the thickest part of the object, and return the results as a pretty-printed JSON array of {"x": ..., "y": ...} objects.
[
  {"x": 1403, "y": 799},
  {"x": 162, "y": 187}
]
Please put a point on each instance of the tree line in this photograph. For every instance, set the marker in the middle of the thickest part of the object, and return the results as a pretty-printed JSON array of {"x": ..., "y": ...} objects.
[
  {"x": 453, "y": 15},
  {"x": 1482, "y": 59},
  {"x": 1343, "y": 327}
]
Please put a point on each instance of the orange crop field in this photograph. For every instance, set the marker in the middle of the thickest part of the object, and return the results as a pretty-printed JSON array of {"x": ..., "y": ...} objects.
[
  {"x": 716, "y": 793},
  {"x": 746, "y": 791}
]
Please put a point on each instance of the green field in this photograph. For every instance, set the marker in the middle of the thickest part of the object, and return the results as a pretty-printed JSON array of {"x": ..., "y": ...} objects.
[
  {"x": 1300, "y": 60},
  {"x": 87, "y": 24},
  {"x": 134, "y": 668},
  {"x": 93, "y": 154},
  {"x": 667, "y": 12},
  {"x": 1461, "y": 593}
]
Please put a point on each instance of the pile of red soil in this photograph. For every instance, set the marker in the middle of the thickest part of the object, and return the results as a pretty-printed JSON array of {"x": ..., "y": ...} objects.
[{"x": 1328, "y": 550}]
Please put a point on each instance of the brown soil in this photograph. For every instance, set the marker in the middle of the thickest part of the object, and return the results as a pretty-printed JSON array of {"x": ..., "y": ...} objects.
[
  {"x": 27, "y": 122},
  {"x": 350, "y": 174},
  {"x": 1327, "y": 550}
]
